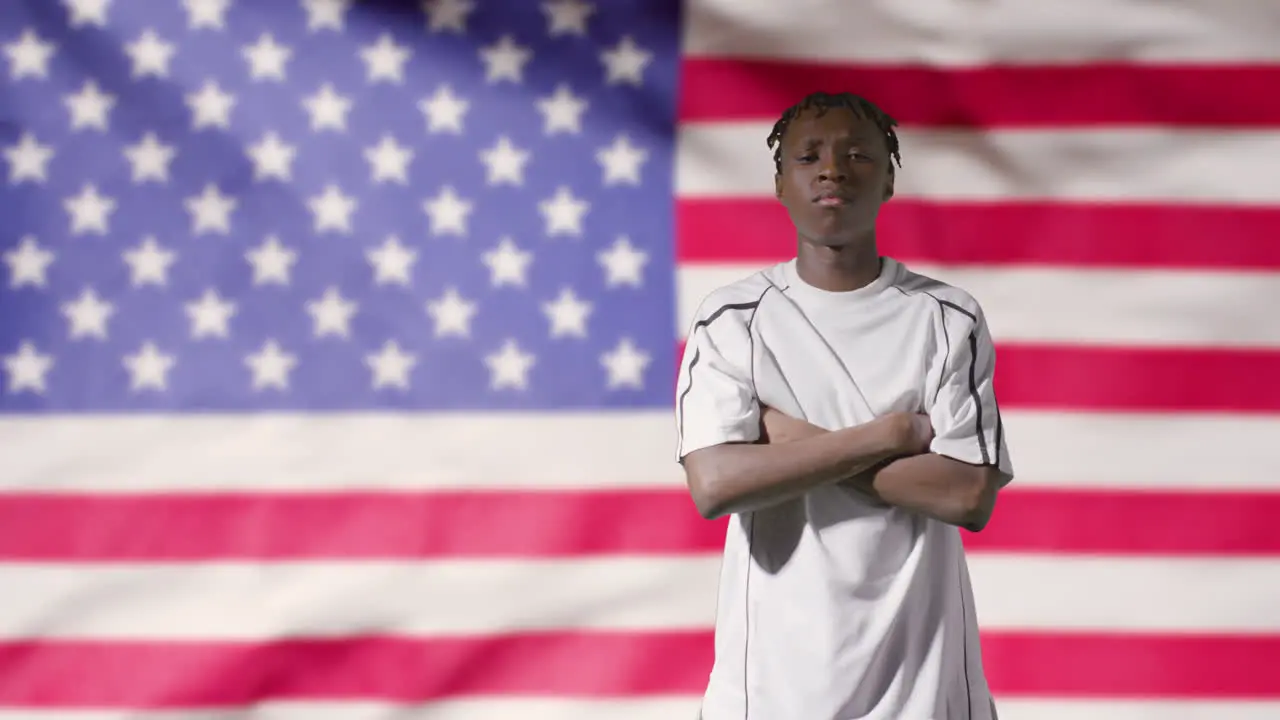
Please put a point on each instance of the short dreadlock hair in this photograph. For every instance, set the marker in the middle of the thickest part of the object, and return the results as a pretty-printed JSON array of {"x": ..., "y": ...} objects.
[{"x": 822, "y": 102}]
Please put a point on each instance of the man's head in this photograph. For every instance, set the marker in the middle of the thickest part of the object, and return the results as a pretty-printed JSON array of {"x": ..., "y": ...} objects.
[{"x": 834, "y": 156}]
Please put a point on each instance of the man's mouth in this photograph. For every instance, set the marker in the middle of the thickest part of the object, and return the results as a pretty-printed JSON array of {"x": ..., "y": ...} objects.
[{"x": 831, "y": 200}]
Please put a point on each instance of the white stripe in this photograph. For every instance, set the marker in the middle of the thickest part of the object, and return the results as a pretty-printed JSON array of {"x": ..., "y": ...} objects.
[
  {"x": 1145, "y": 709},
  {"x": 1172, "y": 308},
  {"x": 248, "y": 601},
  {"x": 234, "y": 601},
  {"x": 1151, "y": 594},
  {"x": 719, "y": 159},
  {"x": 1144, "y": 451},
  {"x": 507, "y": 708},
  {"x": 960, "y": 32},
  {"x": 672, "y": 708},
  {"x": 340, "y": 452},
  {"x": 631, "y": 450}
]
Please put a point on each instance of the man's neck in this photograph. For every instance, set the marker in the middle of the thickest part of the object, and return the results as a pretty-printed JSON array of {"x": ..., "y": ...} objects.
[{"x": 838, "y": 269}]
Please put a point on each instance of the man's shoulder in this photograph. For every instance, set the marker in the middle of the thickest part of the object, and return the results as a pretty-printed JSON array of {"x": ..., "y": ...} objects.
[
  {"x": 734, "y": 302},
  {"x": 931, "y": 289}
]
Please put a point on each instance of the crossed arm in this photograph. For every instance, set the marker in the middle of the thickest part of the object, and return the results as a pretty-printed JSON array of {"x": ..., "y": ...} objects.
[{"x": 886, "y": 459}]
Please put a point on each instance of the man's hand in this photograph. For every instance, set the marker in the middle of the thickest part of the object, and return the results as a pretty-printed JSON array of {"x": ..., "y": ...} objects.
[{"x": 918, "y": 435}]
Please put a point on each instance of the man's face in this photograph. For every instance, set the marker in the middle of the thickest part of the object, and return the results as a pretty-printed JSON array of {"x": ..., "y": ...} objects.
[{"x": 836, "y": 173}]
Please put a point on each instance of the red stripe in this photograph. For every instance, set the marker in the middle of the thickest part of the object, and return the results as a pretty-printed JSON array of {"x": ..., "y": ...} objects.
[
  {"x": 1131, "y": 665},
  {"x": 993, "y": 96},
  {"x": 1131, "y": 379},
  {"x": 208, "y": 674},
  {"x": 189, "y": 675},
  {"x": 95, "y": 528},
  {"x": 758, "y": 231},
  {"x": 1131, "y": 523},
  {"x": 1123, "y": 379},
  {"x": 276, "y": 526}
]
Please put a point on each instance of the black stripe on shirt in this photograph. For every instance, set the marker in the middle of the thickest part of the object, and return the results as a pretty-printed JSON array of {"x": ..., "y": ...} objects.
[
  {"x": 697, "y": 353},
  {"x": 973, "y": 378},
  {"x": 977, "y": 399}
]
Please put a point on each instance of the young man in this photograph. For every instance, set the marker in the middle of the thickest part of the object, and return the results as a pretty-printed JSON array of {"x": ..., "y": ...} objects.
[{"x": 840, "y": 407}]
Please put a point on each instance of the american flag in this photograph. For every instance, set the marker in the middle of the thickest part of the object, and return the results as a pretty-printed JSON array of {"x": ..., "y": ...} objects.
[{"x": 339, "y": 342}]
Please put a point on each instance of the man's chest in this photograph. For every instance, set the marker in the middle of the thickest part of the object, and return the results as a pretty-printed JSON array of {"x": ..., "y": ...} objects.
[{"x": 844, "y": 368}]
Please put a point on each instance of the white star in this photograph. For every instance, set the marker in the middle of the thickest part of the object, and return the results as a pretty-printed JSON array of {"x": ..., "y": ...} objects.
[
  {"x": 149, "y": 368},
  {"x": 90, "y": 107},
  {"x": 210, "y": 315},
  {"x": 271, "y": 366},
  {"x": 210, "y": 211},
  {"x": 509, "y": 367},
  {"x": 390, "y": 366},
  {"x": 149, "y": 263},
  {"x": 327, "y": 109},
  {"x": 331, "y": 314},
  {"x": 210, "y": 107},
  {"x": 28, "y": 160},
  {"x": 149, "y": 159},
  {"x": 623, "y": 264},
  {"x": 392, "y": 262},
  {"x": 150, "y": 55},
  {"x": 27, "y": 369},
  {"x": 448, "y": 14},
  {"x": 87, "y": 315},
  {"x": 272, "y": 158},
  {"x": 448, "y": 212},
  {"x": 388, "y": 161},
  {"x": 562, "y": 111},
  {"x": 266, "y": 58},
  {"x": 625, "y": 366},
  {"x": 563, "y": 213},
  {"x": 29, "y": 56},
  {"x": 452, "y": 314},
  {"x": 625, "y": 63},
  {"x": 87, "y": 12},
  {"x": 567, "y": 314},
  {"x": 621, "y": 161},
  {"x": 332, "y": 210},
  {"x": 271, "y": 262},
  {"x": 567, "y": 17},
  {"x": 384, "y": 60},
  {"x": 28, "y": 264},
  {"x": 505, "y": 60},
  {"x": 505, "y": 162},
  {"x": 444, "y": 111},
  {"x": 508, "y": 264},
  {"x": 323, "y": 14},
  {"x": 89, "y": 211},
  {"x": 206, "y": 13}
]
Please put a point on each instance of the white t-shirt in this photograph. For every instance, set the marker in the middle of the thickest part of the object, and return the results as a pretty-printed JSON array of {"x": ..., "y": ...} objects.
[{"x": 831, "y": 608}]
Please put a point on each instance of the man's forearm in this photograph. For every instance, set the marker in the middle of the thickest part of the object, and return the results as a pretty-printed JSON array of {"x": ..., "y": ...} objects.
[
  {"x": 932, "y": 485},
  {"x": 738, "y": 478},
  {"x": 935, "y": 486}
]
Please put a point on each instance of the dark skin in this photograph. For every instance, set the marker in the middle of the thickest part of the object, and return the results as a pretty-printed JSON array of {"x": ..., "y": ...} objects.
[{"x": 835, "y": 174}]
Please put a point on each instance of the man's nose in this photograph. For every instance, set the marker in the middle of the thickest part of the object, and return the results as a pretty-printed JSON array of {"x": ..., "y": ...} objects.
[{"x": 832, "y": 169}]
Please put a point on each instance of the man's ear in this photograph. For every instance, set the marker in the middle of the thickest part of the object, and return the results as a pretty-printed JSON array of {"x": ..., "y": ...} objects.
[
  {"x": 777, "y": 185},
  {"x": 888, "y": 184}
]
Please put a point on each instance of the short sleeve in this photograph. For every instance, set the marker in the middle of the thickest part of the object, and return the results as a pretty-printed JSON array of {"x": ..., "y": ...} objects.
[
  {"x": 966, "y": 418},
  {"x": 715, "y": 400}
]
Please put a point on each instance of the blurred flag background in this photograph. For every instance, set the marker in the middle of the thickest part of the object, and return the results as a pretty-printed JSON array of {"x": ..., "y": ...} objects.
[{"x": 339, "y": 342}]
